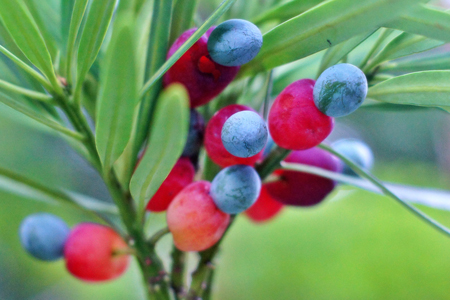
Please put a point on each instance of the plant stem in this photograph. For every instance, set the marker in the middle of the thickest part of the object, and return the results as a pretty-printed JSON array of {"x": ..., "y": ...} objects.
[
  {"x": 150, "y": 264},
  {"x": 387, "y": 192},
  {"x": 272, "y": 162},
  {"x": 177, "y": 273}
]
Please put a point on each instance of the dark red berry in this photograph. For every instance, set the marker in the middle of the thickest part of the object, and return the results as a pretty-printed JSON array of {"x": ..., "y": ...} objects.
[
  {"x": 203, "y": 78},
  {"x": 304, "y": 189}
]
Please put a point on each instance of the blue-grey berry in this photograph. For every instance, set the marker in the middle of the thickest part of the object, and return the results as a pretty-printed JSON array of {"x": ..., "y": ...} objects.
[
  {"x": 43, "y": 236},
  {"x": 195, "y": 135},
  {"x": 235, "y": 188},
  {"x": 244, "y": 134},
  {"x": 234, "y": 42},
  {"x": 269, "y": 145},
  {"x": 340, "y": 90},
  {"x": 356, "y": 151}
]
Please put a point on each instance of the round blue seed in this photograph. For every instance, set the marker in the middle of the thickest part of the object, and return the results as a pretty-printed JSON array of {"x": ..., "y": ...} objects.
[
  {"x": 43, "y": 236},
  {"x": 235, "y": 188},
  {"x": 356, "y": 151},
  {"x": 244, "y": 134},
  {"x": 234, "y": 42},
  {"x": 340, "y": 90}
]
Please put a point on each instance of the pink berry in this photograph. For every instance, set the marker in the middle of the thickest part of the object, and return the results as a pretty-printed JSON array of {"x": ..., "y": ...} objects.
[
  {"x": 295, "y": 123},
  {"x": 265, "y": 208},
  {"x": 194, "y": 220},
  {"x": 303, "y": 189},
  {"x": 181, "y": 175},
  {"x": 213, "y": 139},
  {"x": 90, "y": 253},
  {"x": 203, "y": 78}
]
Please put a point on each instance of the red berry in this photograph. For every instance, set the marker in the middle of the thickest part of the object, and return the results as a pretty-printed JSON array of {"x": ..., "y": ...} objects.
[
  {"x": 89, "y": 253},
  {"x": 194, "y": 220},
  {"x": 295, "y": 123},
  {"x": 213, "y": 139},
  {"x": 203, "y": 78},
  {"x": 265, "y": 208},
  {"x": 303, "y": 189},
  {"x": 181, "y": 175}
]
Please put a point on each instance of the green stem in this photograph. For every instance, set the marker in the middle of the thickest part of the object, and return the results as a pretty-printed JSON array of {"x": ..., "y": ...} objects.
[
  {"x": 158, "y": 235},
  {"x": 178, "y": 272},
  {"x": 26, "y": 92},
  {"x": 272, "y": 162},
  {"x": 41, "y": 79},
  {"x": 387, "y": 192},
  {"x": 205, "y": 267},
  {"x": 150, "y": 264},
  {"x": 385, "y": 33}
]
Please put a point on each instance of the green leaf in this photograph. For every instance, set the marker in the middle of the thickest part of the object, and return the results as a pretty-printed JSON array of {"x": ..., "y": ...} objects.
[
  {"x": 40, "y": 117},
  {"x": 23, "y": 29},
  {"x": 426, "y": 21},
  {"x": 183, "y": 17},
  {"x": 433, "y": 62},
  {"x": 321, "y": 27},
  {"x": 45, "y": 24},
  {"x": 24, "y": 187},
  {"x": 430, "y": 88},
  {"x": 285, "y": 11},
  {"x": 403, "y": 45},
  {"x": 118, "y": 95},
  {"x": 336, "y": 53},
  {"x": 168, "y": 136},
  {"x": 94, "y": 31},
  {"x": 75, "y": 18}
]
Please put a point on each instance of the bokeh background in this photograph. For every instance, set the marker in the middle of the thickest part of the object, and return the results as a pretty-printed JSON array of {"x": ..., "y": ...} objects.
[{"x": 355, "y": 245}]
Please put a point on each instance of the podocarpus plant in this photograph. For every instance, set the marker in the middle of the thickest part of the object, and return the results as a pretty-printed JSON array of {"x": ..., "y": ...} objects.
[{"x": 105, "y": 67}]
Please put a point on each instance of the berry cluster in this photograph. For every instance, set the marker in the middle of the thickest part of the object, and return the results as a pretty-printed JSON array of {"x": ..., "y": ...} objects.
[
  {"x": 92, "y": 252},
  {"x": 235, "y": 138}
]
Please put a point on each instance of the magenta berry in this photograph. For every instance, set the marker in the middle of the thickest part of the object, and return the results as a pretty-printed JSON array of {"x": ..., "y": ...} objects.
[
  {"x": 213, "y": 139},
  {"x": 303, "y": 189},
  {"x": 93, "y": 253},
  {"x": 194, "y": 220},
  {"x": 295, "y": 123},
  {"x": 181, "y": 175},
  {"x": 203, "y": 78}
]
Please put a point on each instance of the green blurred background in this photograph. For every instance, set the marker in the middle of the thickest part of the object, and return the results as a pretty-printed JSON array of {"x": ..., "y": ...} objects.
[{"x": 355, "y": 245}]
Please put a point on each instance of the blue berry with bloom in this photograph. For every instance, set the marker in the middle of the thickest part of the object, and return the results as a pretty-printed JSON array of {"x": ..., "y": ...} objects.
[
  {"x": 43, "y": 236},
  {"x": 234, "y": 42},
  {"x": 244, "y": 134},
  {"x": 235, "y": 188},
  {"x": 340, "y": 90},
  {"x": 356, "y": 151},
  {"x": 195, "y": 135}
]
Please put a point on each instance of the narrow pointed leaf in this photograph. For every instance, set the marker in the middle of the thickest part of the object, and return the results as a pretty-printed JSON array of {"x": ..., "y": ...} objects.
[
  {"x": 321, "y": 27},
  {"x": 75, "y": 17},
  {"x": 426, "y": 21},
  {"x": 285, "y": 11},
  {"x": 23, "y": 29},
  {"x": 403, "y": 45},
  {"x": 94, "y": 31},
  {"x": 118, "y": 94},
  {"x": 168, "y": 135},
  {"x": 336, "y": 53},
  {"x": 429, "y": 88},
  {"x": 37, "y": 116},
  {"x": 183, "y": 17}
]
